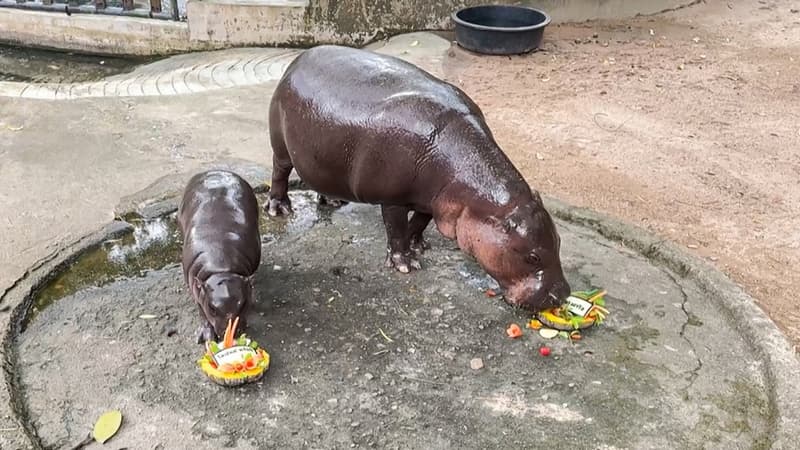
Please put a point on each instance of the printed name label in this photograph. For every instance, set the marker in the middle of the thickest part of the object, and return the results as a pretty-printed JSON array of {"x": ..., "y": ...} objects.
[
  {"x": 233, "y": 355},
  {"x": 578, "y": 306}
]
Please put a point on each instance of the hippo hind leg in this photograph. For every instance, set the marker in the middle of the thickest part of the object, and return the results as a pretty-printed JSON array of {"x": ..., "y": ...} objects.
[
  {"x": 416, "y": 227},
  {"x": 395, "y": 218},
  {"x": 279, "y": 203}
]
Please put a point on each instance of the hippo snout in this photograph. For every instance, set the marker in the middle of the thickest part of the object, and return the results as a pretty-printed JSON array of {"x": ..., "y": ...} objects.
[
  {"x": 534, "y": 295},
  {"x": 558, "y": 293}
]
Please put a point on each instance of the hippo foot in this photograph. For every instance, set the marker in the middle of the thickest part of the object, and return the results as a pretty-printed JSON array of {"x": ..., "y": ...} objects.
[
  {"x": 332, "y": 202},
  {"x": 402, "y": 262},
  {"x": 205, "y": 333},
  {"x": 279, "y": 207},
  {"x": 419, "y": 245}
]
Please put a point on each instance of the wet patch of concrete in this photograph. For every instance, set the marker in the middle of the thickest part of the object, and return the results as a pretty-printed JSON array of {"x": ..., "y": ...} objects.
[{"x": 665, "y": 371}]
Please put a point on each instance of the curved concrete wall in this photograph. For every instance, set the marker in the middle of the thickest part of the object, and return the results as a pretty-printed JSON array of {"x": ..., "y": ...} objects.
[
  {"x": 228, "y": 23},
  {"x": 359, "y": 19}
]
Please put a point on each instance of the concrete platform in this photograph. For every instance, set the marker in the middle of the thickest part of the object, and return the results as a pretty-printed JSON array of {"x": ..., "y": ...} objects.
[{"x": 364, "y": 357}]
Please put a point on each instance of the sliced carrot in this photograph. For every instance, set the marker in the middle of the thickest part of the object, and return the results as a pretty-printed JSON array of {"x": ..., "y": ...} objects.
[
  {"x": 514, "y": 331},
  {"x": 233, "y": 329},
  {"x": 227, "y": 335}
]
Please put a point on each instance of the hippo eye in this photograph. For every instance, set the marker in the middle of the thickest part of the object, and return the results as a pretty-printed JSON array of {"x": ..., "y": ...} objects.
[{"x": 533, "y": 258}]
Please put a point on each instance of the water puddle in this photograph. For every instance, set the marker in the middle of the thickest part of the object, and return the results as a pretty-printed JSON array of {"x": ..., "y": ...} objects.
[
  {"x": 155, "y": 244},
  {"x": 48, "y": 66}
]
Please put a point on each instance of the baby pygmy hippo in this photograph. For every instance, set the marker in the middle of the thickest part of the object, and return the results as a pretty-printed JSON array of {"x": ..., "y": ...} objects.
[{"x": 218, "y": 218}]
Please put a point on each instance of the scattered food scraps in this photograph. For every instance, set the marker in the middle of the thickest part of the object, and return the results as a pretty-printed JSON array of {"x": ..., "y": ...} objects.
[
  {"x": 582, "y": 310},
  {"x": 148, "y": 316},
  {"x": 544, "y": 351},
  {"x": 514, "y": 331},
  {"x": 476, "y": 364},
  {"x": 388, "y": 339},
  {"x": 548, "y": 333},
  {"x": 491, "y": 293},
  {"x": 534, "y": 324}
]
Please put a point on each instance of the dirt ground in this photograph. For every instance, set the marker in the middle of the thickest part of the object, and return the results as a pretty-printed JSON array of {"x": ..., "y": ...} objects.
[{"x": 686, "y": 124}]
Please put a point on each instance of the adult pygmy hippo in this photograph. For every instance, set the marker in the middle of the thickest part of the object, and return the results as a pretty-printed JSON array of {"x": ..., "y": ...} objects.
[
  {"x": 363, "y": 127},
  {"x": 218, "y": 218}
]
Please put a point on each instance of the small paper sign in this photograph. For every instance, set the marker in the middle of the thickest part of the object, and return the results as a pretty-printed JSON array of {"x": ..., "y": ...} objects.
[
  {"x": 233, "y": 355},
  {"x": 578, "y": 306}
]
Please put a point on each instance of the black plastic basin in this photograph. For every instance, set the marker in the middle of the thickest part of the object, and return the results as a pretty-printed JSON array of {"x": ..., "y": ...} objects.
[{"x": 500, "y": 29}]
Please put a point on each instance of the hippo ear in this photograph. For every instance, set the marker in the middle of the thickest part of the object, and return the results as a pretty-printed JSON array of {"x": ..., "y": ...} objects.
[{"x": 201, "y": 286}]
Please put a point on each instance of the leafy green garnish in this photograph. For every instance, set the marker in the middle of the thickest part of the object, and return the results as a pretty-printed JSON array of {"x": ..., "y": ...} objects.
[{"x": 213, "y": 346}]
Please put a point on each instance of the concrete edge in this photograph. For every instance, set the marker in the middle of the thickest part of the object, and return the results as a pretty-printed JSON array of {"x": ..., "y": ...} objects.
[
  {"x": 19, "y": 298},
  {"x": 764, "y": 337},
  {"x": 291, "y": 23},
  {"x": 762, "y": 334}
]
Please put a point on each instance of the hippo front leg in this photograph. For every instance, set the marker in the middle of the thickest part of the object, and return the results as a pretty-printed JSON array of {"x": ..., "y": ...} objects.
[
  {"x": 205, "y": 333},
  {"x": 395, "y": 218},
  {"x": 416, "y": 227}
]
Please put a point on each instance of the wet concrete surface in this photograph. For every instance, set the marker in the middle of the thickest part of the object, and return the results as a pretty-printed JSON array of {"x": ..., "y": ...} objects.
[{"x": 666, "y": 370}]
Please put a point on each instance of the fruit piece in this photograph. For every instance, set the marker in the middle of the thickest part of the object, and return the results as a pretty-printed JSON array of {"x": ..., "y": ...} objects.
[
  {"x": 491, "y": 293},
  {"x": 535, "y": 324},
  {"x": 514, "y": 331},
  {"x": 250, "y": 364},
  {"x": 575, "y": 336},
  {"x": 548, "y": 333},
  {"x": 238, "y": 367},
  {"x": 544, "y": 351}
]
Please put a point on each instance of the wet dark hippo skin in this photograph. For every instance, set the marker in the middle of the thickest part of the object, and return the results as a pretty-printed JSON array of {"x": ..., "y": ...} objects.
[
  {"x": 363, "y": 127},
  {"x": 218, "y": 218}
]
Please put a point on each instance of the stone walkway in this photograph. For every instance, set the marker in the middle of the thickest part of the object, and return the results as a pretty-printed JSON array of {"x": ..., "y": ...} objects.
[{"x": 183, "y": 74}]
